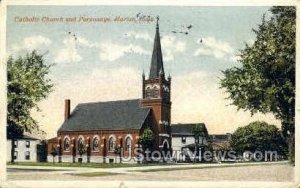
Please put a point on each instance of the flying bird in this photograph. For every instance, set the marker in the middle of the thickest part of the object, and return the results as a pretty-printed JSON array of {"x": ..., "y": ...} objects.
[{"x": 189, "y": 27}]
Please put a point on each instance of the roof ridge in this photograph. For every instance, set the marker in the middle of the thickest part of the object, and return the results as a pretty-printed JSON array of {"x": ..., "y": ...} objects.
[
  {"x": 85, "y": 103},
  {"x": 186, "y": 123}
]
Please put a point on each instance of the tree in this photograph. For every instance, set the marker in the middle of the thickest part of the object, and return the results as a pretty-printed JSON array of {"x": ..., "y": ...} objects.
[
  {"x": 147, "y": 139},
  {"x": 199, "y": 131},
  {"x": 265, "y": 82},
  {"x": 258, "y": 136},
  {"x": 27, "y": 84}
]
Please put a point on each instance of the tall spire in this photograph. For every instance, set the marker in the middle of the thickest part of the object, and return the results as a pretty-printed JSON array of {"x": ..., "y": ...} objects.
[{"x": 157, "y": 66}]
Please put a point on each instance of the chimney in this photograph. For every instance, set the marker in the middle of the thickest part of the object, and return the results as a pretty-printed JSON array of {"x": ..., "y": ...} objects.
[{"x": 67, "y": 108}]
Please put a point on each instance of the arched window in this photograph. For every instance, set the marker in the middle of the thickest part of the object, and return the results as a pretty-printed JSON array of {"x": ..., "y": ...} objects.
[
  {"x": 95, "y": 144},
  {"x": 148, "y": 92},
  {"x": 155, "y": 95},
  {"x": 128, "y": 144},
  {"x": 80, "y": 142},
  {"x": 66, "y": 144},
  {"x": 112, "y": 144}
]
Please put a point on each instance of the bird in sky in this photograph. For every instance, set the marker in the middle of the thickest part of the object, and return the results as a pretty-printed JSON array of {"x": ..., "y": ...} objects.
[{"x": 184, "y": 29}]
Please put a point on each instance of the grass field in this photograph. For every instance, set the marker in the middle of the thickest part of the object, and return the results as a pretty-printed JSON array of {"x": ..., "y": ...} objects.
[{"x": 94, "y": 174}]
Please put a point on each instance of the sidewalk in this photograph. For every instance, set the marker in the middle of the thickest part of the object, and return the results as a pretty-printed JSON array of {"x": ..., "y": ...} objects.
[{"x": 130, "y": 169}]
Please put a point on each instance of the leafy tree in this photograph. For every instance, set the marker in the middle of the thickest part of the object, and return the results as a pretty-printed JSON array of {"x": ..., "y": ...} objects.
[
  {"x": 147, "y": 138},
  {"x": 265, "y": 82},
  {"x": 199, "y": 131},
  {"x": 258, "y": 136},
  {"x": 27, "y": 84}
]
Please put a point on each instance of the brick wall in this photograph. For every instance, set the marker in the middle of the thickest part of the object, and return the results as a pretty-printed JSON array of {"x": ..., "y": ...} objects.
[{"x": 103, "y": 137}]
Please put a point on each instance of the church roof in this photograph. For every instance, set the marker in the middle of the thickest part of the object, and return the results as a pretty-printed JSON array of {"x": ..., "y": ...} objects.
[
  {"x": 157, "y": 60},
  {"x": 112, "y": 115},
  {"x": 186, "y": 129}
]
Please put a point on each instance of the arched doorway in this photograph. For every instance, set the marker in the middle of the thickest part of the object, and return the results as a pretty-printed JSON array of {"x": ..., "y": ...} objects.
[{"x": 166, "y": 153}]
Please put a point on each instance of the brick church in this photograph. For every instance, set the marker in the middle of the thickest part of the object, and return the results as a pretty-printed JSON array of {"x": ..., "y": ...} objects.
[{"x": 109, "y": 131}]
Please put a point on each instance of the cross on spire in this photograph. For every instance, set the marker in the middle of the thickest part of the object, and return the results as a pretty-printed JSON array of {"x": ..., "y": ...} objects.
[
  {"x": 157, "y": 67},
  {"x": 157, "y": 19}
]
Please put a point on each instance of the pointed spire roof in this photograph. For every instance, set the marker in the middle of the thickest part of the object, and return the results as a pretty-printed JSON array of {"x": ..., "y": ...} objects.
[{"x": 157, "y": 66}]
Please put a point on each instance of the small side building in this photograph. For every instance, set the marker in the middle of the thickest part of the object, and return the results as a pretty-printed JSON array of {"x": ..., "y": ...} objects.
[
  {"x": 184, "y": 141},
  {"x": 26, "y": 149}
]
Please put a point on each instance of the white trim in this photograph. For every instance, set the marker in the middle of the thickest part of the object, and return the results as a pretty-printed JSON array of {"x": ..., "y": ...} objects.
[
  {"x": 92, "y": 143},
  {"x": 112, "y": 135},
  {"x": 166, "y": 135},
  {"x": 114, "y": 142},
  {"x": 80, "y": 136},
  {"x": 129, "y": 135},
  {"x": 131, "y": 141},
  {"x": 66, "y": 137},
  {"x": 165, "y": 140}
]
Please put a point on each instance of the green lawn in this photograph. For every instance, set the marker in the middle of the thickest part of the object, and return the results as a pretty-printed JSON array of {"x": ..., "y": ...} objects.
[
  {"x": 90, "y": 165},
  {"x": 94, "y": 174}
]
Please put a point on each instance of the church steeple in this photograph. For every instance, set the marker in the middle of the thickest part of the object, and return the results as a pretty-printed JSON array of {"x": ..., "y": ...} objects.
[
  {"x": 157, "y": 67},
  {"x": 157, "y": 93}
]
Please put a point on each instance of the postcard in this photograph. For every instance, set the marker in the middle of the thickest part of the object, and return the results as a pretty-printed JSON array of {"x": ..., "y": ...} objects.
[{"x": 140, "y": 95}]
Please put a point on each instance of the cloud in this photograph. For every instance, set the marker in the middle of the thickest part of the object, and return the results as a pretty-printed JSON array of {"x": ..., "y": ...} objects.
[
  {"x": 210, "y": 46},
  {"x": 69, "y": 53},
  {"x": 112, "y": 51},
  {"x": 134, "y": 35},
  {"x": 32, "y": 43},
  {"x": 196, "y": 97},
  {"x": 171, "y": 46},
  {"x": 81, "y": 41}
]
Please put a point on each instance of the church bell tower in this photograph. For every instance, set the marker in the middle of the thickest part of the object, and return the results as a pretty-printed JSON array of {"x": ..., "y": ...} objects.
[{"x": 157, "y": 93}]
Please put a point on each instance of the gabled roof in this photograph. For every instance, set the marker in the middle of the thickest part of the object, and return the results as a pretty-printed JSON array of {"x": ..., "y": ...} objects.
[
  {"x": 186, "y": 129},
  {"x": 24, "y": 137},
  {"x": 112, "y": 115},
  {"x": 157, "y": 66}
]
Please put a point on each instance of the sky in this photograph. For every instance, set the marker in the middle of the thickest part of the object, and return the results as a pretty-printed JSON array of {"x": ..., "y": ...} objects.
[{"x": 104, "y": 61}]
